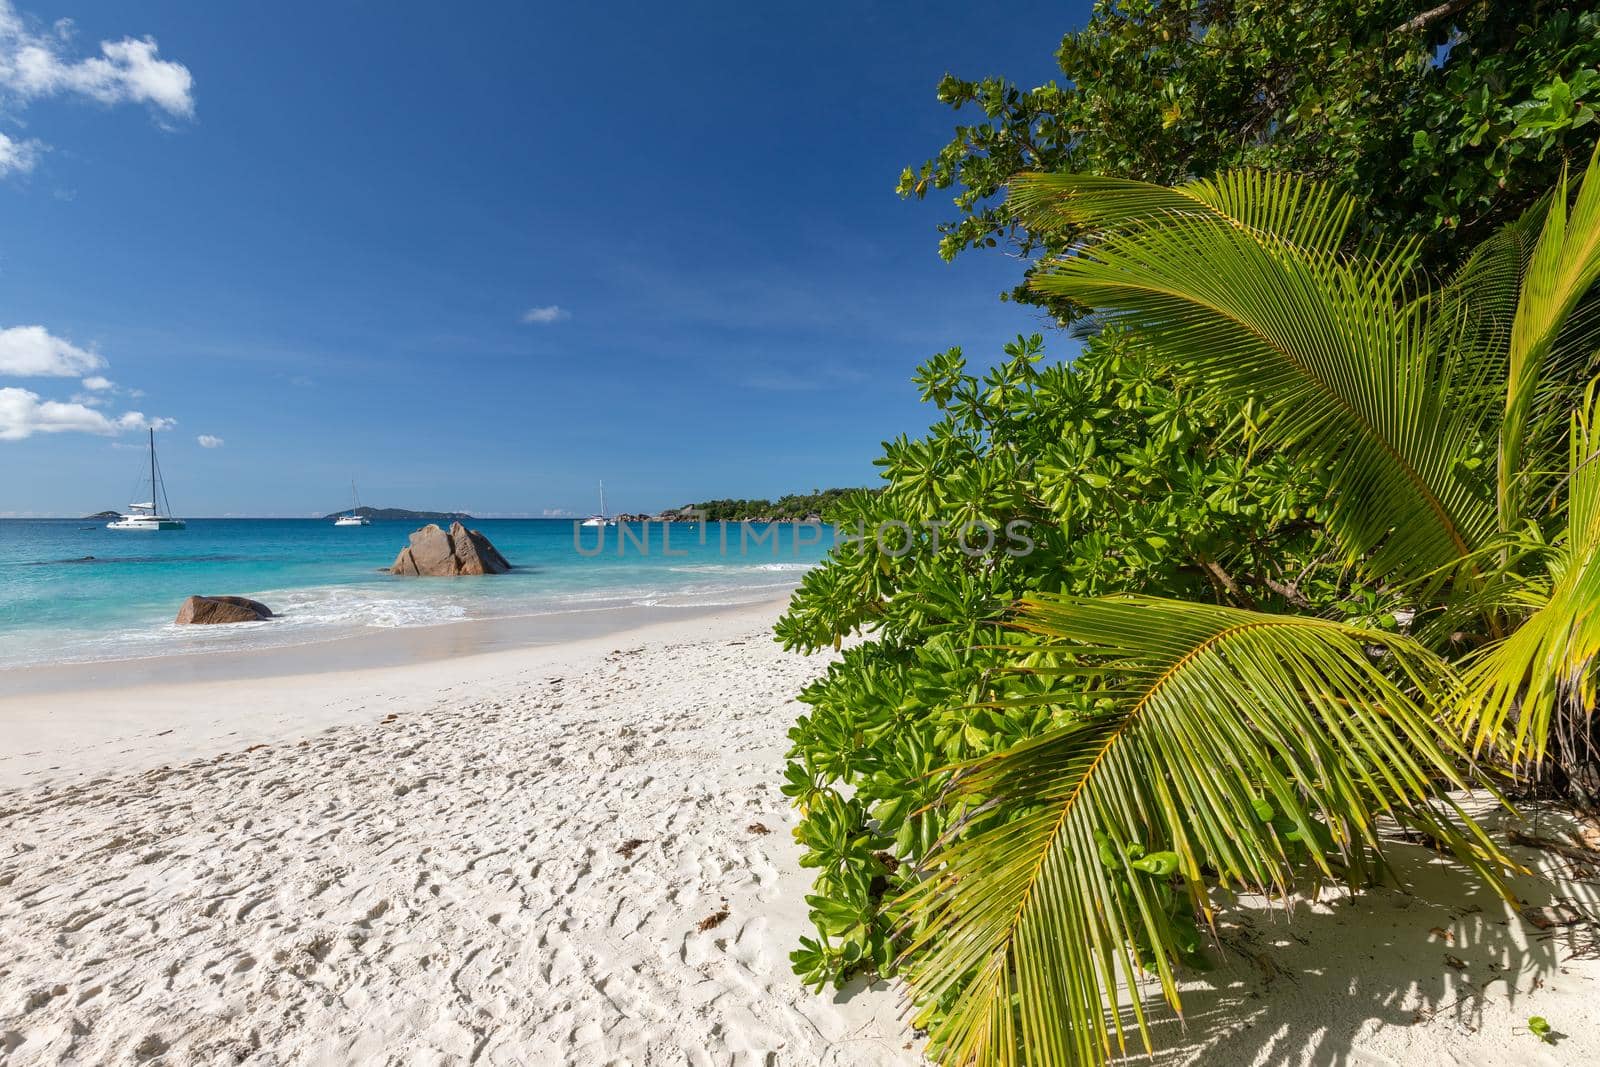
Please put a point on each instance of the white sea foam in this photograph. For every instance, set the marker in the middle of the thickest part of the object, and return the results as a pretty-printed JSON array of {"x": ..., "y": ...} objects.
[
  {"x": 318, "y": 613},
  {"x": 736, "y": 567},
  {"x": 345, "y": 606}
]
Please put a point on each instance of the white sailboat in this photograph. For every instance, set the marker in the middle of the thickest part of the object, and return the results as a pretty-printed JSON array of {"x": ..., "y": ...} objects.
[
  {"x": 148, "y": 516},
  {"x": 351, "y": 517},
  {"x": 601, "y": 519}
]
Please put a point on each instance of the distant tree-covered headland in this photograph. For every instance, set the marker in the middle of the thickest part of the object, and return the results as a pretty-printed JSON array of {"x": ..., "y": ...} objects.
[{"x": 796, "y": 507}]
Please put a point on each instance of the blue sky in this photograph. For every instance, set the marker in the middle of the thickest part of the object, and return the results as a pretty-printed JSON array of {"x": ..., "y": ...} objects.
[{"x": 332, "y": 236}]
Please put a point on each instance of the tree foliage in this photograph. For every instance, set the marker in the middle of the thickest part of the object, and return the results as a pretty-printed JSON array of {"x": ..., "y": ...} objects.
[{"x": 1443, "y": 120}]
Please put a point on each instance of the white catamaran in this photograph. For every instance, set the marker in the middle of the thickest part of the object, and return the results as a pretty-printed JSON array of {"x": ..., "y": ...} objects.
[
  {"x": 148, "y": 516},
  {"x": 601, "y": 519},
  {"x": 353, "y": 516}
]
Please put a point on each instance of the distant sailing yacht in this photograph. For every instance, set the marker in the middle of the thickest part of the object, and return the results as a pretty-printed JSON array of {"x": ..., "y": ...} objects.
[
  {"x": 147, "y": 516},
  {"x": 351, "y": 517},
  {"x": 601, "y": 519}
]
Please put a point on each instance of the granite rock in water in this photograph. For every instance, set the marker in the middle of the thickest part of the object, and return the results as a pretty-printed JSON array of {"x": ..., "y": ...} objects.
[
  {"x": 221, "y": 609},
  {"x": 434, "y": 552}
]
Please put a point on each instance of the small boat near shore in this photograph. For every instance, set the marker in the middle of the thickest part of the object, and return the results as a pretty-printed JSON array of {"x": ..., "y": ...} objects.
[{"x": 149, "y": 517}]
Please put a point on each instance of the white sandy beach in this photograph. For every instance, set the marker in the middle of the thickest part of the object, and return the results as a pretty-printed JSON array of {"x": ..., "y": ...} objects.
[{"x": 578, "y": 854}]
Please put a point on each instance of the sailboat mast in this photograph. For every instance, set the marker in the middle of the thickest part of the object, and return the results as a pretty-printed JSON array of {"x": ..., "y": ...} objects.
[
  {"x": 153, "y": 498},
  {"x": 602, "y": 499}
]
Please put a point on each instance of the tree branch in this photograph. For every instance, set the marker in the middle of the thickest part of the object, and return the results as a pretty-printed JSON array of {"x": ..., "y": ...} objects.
[
  {"x": 1222, "y": 580},
  {"x": 1429, "y": 17},
  {"x": 1288, "y": 590}
]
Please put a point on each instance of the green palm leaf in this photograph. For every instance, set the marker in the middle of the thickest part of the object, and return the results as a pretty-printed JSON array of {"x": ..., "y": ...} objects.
[
  {"x": 1473, "y": 315},
  {"x": 1338, "y": 348},
  {"x": 1229, "y": 744},
  {"x": 1278, "y": 206},
  {"x": 1548, "y": 663},
  {"x": 1562, "y": 269}
]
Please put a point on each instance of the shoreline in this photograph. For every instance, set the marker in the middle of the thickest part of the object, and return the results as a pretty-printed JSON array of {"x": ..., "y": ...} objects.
[
  {"x": 90, "y": 602},
  {"x": 371, "y": 648},
  {"x": 77, "y": 720}
]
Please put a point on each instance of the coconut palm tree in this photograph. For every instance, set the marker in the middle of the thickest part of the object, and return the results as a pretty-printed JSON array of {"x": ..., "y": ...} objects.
[{"x": 1460, "y": 435}]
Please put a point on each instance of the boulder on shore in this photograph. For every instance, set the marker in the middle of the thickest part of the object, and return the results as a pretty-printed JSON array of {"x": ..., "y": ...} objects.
[
  {"x": 221, "y": 609},
  {"x": 434, "y": 552}
]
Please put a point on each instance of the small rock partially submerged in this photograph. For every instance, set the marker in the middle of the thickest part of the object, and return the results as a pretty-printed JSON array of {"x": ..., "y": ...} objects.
[
  {"x": 221, "y": 609},
  {"x": 435, "y": 553}
]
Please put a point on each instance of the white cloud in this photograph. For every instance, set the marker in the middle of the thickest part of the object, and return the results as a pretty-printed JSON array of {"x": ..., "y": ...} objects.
[
  {"x": 24, "y": 413},
  {"x": 36, "y": 65},
  {"x": 208, "y": 441},
  {"x": 18, "y": 157},
  {"x": 33, "y": 352},
  {"x": 544, "y": 316}
]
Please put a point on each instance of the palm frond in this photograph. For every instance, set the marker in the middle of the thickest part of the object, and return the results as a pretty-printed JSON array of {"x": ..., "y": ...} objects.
[
  {"x": 1337, "y": 348},
  {"x": 1513, "y": 689},
  {"x": 1562, "y": 270},
  {"x": 1229, "y": 745},
  {"x": 1474, "y": 312},
  {"x": 1270, "y": 204}
]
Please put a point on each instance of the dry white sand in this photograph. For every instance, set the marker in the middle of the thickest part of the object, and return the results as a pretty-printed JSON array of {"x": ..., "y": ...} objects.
[
  {"x": 430, "y": 864},
  {"x": 447, "y": 885}
]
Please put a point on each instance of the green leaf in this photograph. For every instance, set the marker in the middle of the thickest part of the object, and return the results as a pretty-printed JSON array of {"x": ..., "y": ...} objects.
[{"x": 1029, "y": 941}]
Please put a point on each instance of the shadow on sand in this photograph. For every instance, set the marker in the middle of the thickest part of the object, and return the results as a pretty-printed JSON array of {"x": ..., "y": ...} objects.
[
  {"x": 1398, "y": 973},
  {"x": 1431, "y": 968}
]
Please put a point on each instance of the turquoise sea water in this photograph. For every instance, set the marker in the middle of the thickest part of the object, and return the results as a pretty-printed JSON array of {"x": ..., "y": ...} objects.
[{"x": 71, "y": 590}]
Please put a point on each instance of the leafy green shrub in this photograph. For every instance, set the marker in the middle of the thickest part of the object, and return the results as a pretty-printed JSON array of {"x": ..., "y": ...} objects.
[{"x": 1122, "y": 483}]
